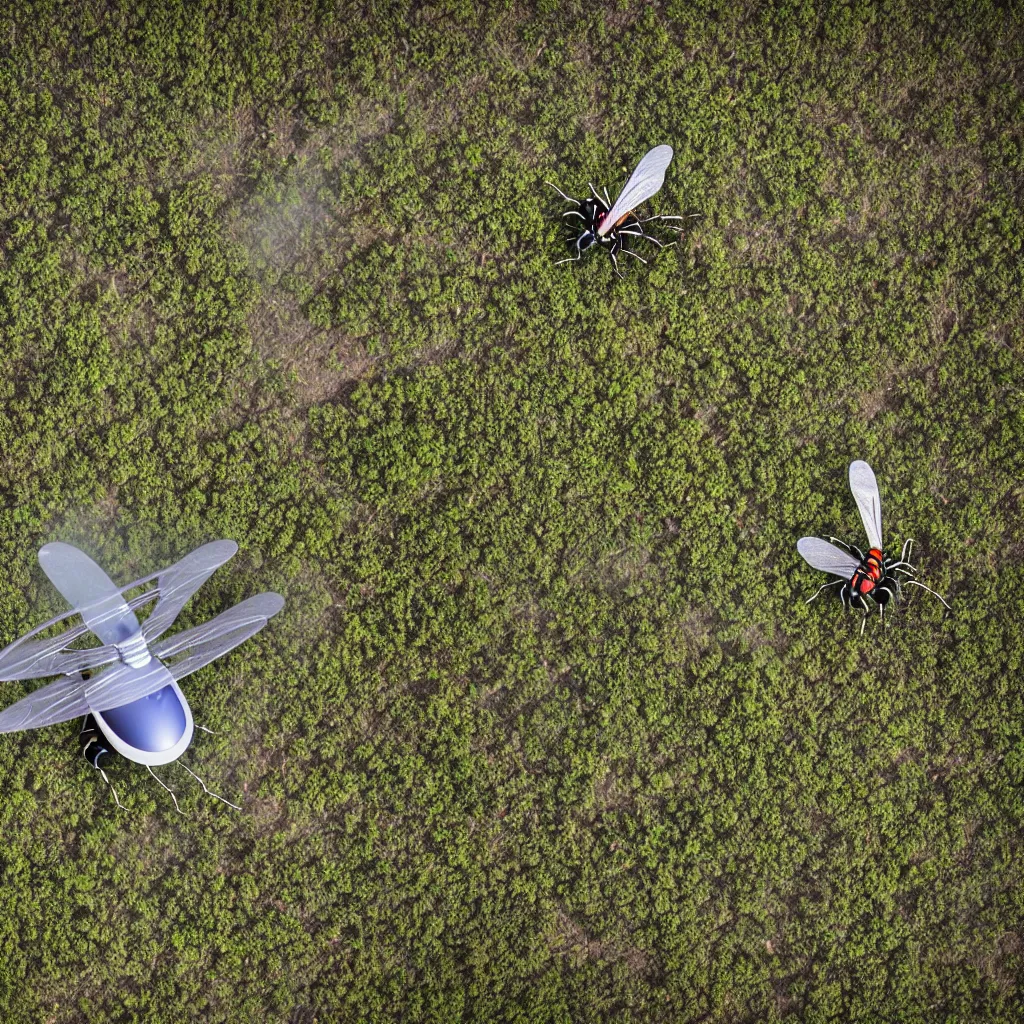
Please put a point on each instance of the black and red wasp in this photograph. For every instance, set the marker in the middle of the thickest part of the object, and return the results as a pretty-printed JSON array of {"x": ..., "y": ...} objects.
[
  {"x": 612, "y": 224},
  {"x": 867, "y": 579}
]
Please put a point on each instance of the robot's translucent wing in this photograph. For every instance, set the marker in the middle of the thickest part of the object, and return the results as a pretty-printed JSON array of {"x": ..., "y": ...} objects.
[
  {"x": 28, "y": 659},
  {"x": 122, "y": 684},
  {"x": 865, "y": 490},
  {"x": 37, "y": 661},
  {"x": 59, "y": 701},
  {"x": 644, "y": 182},
  {"x": 91, "y": 592},
  {"x": 205, "y": 643},
  {"x": 71, "y": 696},
  {"x": 32, "y": 659},
  {"x": 820, "y": 554},
  {"x": 180, "y": 581}
]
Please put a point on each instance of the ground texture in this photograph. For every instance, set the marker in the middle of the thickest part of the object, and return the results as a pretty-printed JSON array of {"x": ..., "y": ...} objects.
[{"x": 546, "y": 732}]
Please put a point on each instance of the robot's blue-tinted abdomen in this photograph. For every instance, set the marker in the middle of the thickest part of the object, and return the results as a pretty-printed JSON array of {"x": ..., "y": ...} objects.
[{"x": 152, "y": 723}]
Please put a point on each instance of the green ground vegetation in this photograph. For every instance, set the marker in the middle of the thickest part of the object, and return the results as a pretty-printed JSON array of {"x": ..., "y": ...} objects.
[{"x": 546, "y": 732}]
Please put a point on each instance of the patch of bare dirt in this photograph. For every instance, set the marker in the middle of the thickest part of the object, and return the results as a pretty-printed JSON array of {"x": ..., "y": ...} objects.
[
  {"x": 998, "y": 967},
  {"x": 318, "y": 362},
  {"x": 571, "y": 939}
]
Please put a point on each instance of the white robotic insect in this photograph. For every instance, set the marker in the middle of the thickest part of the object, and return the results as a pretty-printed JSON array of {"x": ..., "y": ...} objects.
[{"x": 127, "y": 688}]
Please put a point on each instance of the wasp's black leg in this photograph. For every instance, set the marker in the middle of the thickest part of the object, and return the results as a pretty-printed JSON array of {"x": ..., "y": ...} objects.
[
  {"x": 824, "y": 586},
  {"x": 613, "y": 252},
  {"x": 657, "y": 241},
  {"x": 572, "y": 259},
  {"x": 661, "y": 216},
  {"x": 636, "y": 227},
  {"x": 904, "y": 567},
  {"x": 914, "y": 583},
  {"x": 168, "y": 788},
  {"x": 208, "y": 792},
  {"x": 568, "y": 199},
  {"x": 203, "y": 727},
  {"x": 634, "y": 255},
  {"x": 640, "y": 224}
]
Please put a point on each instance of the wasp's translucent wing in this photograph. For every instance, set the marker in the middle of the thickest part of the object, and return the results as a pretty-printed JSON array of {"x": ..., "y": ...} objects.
[
  {"x": 820, "y": 554},
  {"x": 865, "y": 490},
  {"x": 205, "y": 643},
  {"x": 180, "y": 581},
  {"x": 644, "y": 182},
  {"x": 91, "y": 592},
  {"x": 59, "y": 701}
]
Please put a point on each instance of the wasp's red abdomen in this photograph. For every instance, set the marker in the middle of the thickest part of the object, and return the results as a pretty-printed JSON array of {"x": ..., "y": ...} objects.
[
  {"x": 862, "y": 582},
  {"x": 869, "y": 573},
  {"x": 874, "y": 564}
]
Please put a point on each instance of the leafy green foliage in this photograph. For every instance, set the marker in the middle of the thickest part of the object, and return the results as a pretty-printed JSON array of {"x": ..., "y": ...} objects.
[{"x": 546, "y": 731}]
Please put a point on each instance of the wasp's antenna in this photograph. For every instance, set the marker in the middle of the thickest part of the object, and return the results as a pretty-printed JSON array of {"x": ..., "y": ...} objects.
[
  {"x": 203, "y": 727},
  {"x": 112, "y": 790},
  {"x": 208, "y": 792},
  {"x": 597, "y": 195},
  {"x": 168, "y": 788},
  {"x": 914, "y": 583},
  {"x": 568, "y": 199},
  {"x": 607, "y": 198}
]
